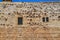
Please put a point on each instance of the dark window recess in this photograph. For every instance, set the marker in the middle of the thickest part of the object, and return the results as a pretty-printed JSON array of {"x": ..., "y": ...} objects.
[
  {"x": 8, "y": 0},
  {"x": 47, "y": 19},
  {"x": 20, "y": 20},
  {"x": 58, "y": 17},
  {"x": 43, "y": 19}
]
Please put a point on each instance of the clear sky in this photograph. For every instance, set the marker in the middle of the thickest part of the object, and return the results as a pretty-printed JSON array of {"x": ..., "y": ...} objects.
[{"x": 34, "y": 0}]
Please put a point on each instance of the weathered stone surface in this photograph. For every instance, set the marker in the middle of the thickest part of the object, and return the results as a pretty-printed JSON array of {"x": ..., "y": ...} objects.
[{"x": 33, "y": 27}]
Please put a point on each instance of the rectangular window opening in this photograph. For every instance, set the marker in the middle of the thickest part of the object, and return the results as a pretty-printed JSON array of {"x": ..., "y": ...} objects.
[
  {"x": 58, "y": 18},
  {"x": 20, "y": 20},
  {"x": 47, "y": 19},
  {"x": 43, "y": 19}
]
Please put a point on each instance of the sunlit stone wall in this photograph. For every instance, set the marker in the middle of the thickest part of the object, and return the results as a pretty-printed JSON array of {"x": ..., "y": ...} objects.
[{"x": 33, "y": 26}]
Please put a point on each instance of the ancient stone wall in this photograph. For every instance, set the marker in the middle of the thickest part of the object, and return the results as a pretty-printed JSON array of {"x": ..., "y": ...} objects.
[{"x": 40, "y": 21}]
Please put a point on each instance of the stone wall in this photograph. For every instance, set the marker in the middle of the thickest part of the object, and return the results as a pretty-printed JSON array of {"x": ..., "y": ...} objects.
[{"x": 33, "y": 27}]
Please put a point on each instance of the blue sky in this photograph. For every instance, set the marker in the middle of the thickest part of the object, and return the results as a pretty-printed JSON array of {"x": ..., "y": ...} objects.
[{"x": 34, "y": 0}]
